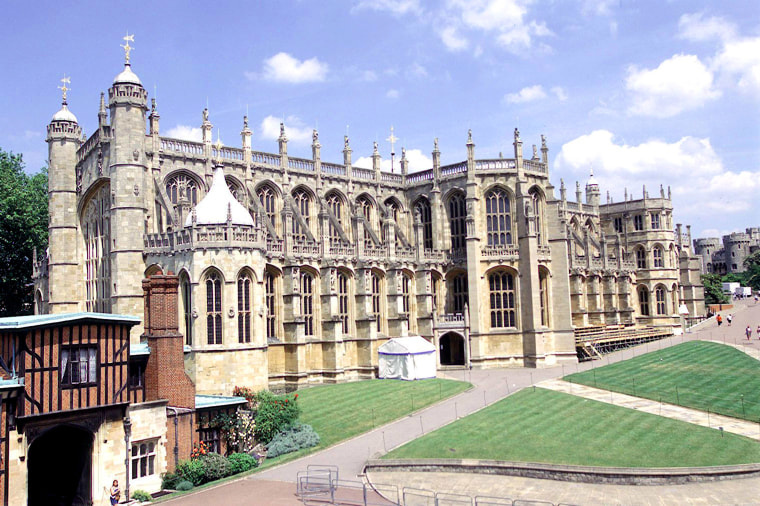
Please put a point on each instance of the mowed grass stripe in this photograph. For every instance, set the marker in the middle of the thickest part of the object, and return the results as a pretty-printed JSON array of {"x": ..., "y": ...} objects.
[
  {"x": 342, "y": 411},
  {"x": 697, "y": 374},
  {"x": 552, "y": 427}
]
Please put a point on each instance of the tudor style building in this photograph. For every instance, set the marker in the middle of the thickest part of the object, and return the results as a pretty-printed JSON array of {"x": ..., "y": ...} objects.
[{"x": 293, "y": 271}]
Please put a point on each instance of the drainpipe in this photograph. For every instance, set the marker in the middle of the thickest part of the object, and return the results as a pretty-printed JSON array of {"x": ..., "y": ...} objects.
[
  {"x": 127, "y": 436},
  {"x": 176, "y": 436}
]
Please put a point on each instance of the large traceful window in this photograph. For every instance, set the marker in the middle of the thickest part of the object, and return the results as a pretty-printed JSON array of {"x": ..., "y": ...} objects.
[
  {"x": 335, "y": 203},
  {"x": 459, "y": 293},
  {"x": 377, "y": 300},
  {"x": 423, "y": 209},
  {"x": 244, "y": 308},
  {"x": 659, "y": 295},
  {"x": 538, "y": 212},
  {"x": 644, "y": 300},
  {"x": 543, "y": 281},
  {"x": 457, "y": 221},
  {"x": 307, "y": 302},
  {"x": 498, "y": 218},
  {"x": 187, "y": 311},
  {"x": 303, "y": 205},
  {"x": 214, "y": 309},
  {"x": 182, "y": 186},
  {"x": 405, "y": 291},
  {"x": 96, "y": 227},
  {"x": 143, "y": 458},
  {"x": 271, "y": 303},
  {"x": 267, "y": 198},
  {"x": 502, "y": 292},
  {"x": 343, "y": 303},
  {"x": 367, "y": 210},
  {"x": 79, "y": 365}
]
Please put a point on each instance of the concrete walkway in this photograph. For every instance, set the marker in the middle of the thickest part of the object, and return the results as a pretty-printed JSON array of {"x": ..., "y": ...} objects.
[{"x": 490, "y": 386}]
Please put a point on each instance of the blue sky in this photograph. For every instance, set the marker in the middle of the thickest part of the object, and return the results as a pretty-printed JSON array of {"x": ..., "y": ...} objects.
[{"x": 645, "y": 92}]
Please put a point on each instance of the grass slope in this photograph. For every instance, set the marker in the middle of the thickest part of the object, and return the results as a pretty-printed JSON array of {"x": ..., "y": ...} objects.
[
  {"x": 553, "y": 427},
  {"x": 342, "y": 411},
  {"x": 694, "y": 374}
]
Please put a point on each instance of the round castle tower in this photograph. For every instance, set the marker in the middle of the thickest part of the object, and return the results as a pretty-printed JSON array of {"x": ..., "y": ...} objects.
[{"x": 737, "y": 249}]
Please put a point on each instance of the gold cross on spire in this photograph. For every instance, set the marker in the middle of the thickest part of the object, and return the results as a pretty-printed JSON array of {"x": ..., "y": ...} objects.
[
  {"x": 127, "y": 48},
  {"x": 64, "y": 88},
  {"x": 392, "y": 139}
]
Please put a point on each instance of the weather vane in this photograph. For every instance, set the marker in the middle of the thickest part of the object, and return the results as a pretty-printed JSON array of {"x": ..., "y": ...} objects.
[
  {"x": 64, "y": 88},
  {"x": 392, "y": 139},
  {"x": 127, "y": 48}
]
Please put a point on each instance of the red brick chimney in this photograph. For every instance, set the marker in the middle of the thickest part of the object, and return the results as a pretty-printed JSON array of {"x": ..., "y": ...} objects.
[{"x": 165, "y": 376}]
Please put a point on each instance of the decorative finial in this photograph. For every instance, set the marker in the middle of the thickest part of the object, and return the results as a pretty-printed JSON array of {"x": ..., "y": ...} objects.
[
  {"x": 469, "y": 136},
  {"x": 127, "y": 48},
  {"x": 392, "y": 139},
  {"x": 218, "y": 140},
  {"x": 245, "y": 121},
  {"x": 374, "y": 148},
  {"x": 543, "y": 141},
  {"x": 205, "y": 114},
  {"x": 435, "y": 144},
  {"x": 282, "y": 129},
  {"x": 345, "y": 142},
  {"x": 65, "y": 80},
  {"x": 152, "y": 105},
  {"x": 517, "y": 135},
  {"x": 535, "y": 152},
  {"x": 403, "y": 153},
  {"x": 315, "y": 136}
]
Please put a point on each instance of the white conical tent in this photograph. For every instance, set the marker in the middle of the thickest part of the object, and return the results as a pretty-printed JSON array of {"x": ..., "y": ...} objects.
[
  {"x": 407, "y": 358},
  {"x": 217, "y": 204}
]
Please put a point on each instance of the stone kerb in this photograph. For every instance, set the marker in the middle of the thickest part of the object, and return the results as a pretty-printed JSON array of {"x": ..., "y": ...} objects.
[{"x": 578, "y": 474}]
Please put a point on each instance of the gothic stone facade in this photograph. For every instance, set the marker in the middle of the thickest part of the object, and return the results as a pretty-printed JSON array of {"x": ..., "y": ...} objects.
[{"x": 478, "y": 256}]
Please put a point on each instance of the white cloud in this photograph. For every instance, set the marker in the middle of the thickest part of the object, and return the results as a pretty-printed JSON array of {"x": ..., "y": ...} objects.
[
  {"x": 453, "y": 40},
  {"x": 598, "y": 7},
  {"x": 696, "y": 27},
  {"x": 739, "y": 62},
  {"x": 678, "y": 84},
  {"x": 491, "y": 14},
  {"x": 185, "y": 132},
  {"x": 527, "y": 94},
  {"x": 368, "y": 76},
  {"x": 417, "y": 161},
  {"x": 559, "y": 92},
  {"x": 282, "y": 67},
  {"x": 396, "y": 7},
  {"x": 701, "y": 185},
  {"x": 295, "y": 130},
  {"x": 416, "y": 71},
  {"x": 392, "y": 94}
]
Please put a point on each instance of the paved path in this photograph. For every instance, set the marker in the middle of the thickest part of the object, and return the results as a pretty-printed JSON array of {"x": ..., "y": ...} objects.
[{"x": 489, "y": 386}]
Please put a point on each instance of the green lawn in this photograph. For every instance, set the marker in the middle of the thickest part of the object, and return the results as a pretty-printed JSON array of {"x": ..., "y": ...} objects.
[
  {"x": 342, "y": 411},
  {"x": 694, "y": 374},
  {"x": 547, "y": 426}
]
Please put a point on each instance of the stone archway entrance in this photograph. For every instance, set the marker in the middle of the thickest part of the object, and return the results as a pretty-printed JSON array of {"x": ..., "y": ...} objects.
[
  {"x": 451, "y": 349},
  {"x": 59, "y": 468}
]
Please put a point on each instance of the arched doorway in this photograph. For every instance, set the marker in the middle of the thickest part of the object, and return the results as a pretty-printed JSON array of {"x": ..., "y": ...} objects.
[
  {"x": 60, "y": 468},
  {"x": 451, "y": 349}
]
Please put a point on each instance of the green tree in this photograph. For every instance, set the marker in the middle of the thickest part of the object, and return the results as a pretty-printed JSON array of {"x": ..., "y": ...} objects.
[
  {"x": 752, "y": 270},
  {"x": 23, "y": 227},
  {"x": 713, "y": 289}
]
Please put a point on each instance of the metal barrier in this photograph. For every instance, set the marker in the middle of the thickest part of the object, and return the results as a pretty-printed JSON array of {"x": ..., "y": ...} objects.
[{"x": 481, "y": 500}]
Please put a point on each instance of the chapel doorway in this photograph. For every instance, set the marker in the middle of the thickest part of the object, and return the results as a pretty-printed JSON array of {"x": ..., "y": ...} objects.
[
  {"x": 59, "y": 468},
  {"x": 451, "y": 349}
]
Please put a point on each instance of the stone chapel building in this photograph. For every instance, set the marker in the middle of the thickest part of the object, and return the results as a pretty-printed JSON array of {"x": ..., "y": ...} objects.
[{"x": 293, "y": 271}]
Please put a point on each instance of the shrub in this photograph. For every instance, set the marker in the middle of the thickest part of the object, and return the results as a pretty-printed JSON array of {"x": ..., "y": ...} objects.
[
  {"x": 273, "y": 414},
  {"x": 240, "y": 462},
  {"x": 192, "y": 471},
  {"x": 184, "y": 486},
  {"x": 215, "y": 467},
  {"x": 142, "y": 496},
  {"x": 238, "y": 430},
  {"x": 294, "y": 438},
  {"x": 169, "y": 481}
]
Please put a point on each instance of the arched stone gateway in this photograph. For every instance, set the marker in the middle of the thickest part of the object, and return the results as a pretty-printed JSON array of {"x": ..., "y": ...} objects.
[
  {"x": 451, "y": 349},
  {"x": 60, "y": 467}
]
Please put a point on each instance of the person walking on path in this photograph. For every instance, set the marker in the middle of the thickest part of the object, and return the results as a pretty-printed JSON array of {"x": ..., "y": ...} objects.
[
  {"x": 748, "y": 331},
  {"x": 729, "y": 318},
  {"x": 758, "y": 332},
  {"x": 719, "y": 319}
]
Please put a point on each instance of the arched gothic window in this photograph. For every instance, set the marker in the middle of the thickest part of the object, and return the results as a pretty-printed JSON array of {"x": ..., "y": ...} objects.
[
  {"x": 422, "y": 208},
  {"x": 538, "y": 211},
  {"x": 307, "y": 302},
  {"x": 303, "y": 206},
  {"x": 657, "y": 254},
  {"x": 186, "y": 295},
  {"x": 406, "y": 283},
  {"x": 268, "y": 200},
  {"x": 96, "y": 228},
  {"x": 335, "y": 203},
  {"x": 236, "y": 190},
  {"x": 543, "y": 281},
  {"x": 393, "y": 210},
  {"x": 378, "y": 310},
  {"x": 344, "y": 299},
  {"x": 270, "y": 295},
  {"x": 644, "y": 300},
  {"x": 181, "y": 185},
  {"x": 367, "y": 210},
  {"x": 457, "y": 221},
  {"x": 641, "y": 258},
  {"x": 213, "y": 308},
  {"x": 503, "y": 302},
  {"x": 459, "y": 293},
  {"x": 498, "y": 218},
  {"x": 244, "y": 308},
  {"x": 660, "y": 295}
]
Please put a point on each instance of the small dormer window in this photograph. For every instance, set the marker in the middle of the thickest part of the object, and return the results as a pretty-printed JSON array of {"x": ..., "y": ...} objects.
[{"x": 79, "y": 365}]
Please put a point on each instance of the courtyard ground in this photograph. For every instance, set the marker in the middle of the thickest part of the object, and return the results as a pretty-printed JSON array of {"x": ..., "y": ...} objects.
[{"x": 277, "y": 487}]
